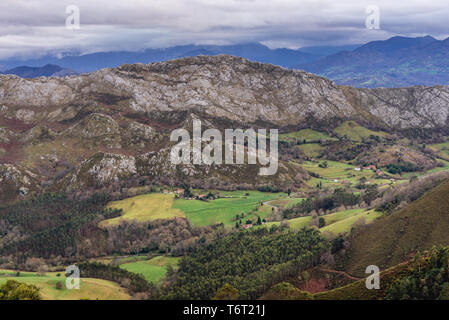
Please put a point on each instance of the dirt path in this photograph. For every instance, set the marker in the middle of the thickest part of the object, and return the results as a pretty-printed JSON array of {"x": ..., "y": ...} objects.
[{"x": 341, "y": 272}]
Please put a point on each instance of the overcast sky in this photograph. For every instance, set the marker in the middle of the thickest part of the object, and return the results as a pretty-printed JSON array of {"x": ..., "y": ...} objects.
[{"x": 36, "y": 27}]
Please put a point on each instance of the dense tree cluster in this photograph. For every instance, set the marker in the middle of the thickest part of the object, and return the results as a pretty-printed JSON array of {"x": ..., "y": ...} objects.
[
  {"x": 338, "y": 198},
  {"x": 249, "y": 261},
  {"x": 427, "y": 279},
  {"x": 14, "y": 290},
  {"x": 175, "y": 236},
  {"x": 402, "y": 166},
  {"x": 51, "y": 225}
]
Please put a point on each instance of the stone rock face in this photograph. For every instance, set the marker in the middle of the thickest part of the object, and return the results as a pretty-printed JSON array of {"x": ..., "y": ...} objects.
[
  {"x": 416, "y": 107},
  {"x": 224, "y": 87},
  {"x": 6, "y": 135},
  {"x": 101, "y": 170},
  {"x": 15, "y": 181}
]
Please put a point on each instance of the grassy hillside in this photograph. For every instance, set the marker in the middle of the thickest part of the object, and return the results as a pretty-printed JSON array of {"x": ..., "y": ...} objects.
[
  {"x": 336, "y": 223},
  {"x": 391, "y": 239},
  {"x": 358, "y": 291},
  {"x": 92, "y": 289},
  {"x": 145, "y": 208},
  {"x": 355, "y": 132},
  {"x": 305, "y": 134},
  {"x": 342, "y": 222}
]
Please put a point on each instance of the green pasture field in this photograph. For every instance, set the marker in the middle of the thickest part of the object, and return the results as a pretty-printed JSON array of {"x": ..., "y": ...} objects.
[
  {"x": 93, "y": 289},
  {"x": 224, "y": 210},
  {"x": 154, "y": 269}
]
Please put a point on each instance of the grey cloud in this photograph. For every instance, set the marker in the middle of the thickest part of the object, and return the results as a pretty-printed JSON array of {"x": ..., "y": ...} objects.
[{"x": 30, "y": 27}]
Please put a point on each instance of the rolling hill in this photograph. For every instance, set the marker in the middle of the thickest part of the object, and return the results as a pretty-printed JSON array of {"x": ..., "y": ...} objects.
[{"x": 393, "y": 238}]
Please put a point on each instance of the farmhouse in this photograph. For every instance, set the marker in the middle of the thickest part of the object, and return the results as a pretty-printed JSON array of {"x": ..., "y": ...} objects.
[{"x": 179, "y": 191}]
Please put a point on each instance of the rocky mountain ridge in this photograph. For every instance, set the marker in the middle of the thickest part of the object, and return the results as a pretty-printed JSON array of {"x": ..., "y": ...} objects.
[
  {"x": 113, "y": 125},
  {"x": 225, "y": 87}
]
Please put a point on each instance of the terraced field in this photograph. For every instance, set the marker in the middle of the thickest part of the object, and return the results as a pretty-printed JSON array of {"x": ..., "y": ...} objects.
[{"x": 93, "y": 289}]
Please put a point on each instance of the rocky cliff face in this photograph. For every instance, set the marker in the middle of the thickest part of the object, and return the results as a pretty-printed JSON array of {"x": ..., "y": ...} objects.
[{"x": 113, "y": 124}]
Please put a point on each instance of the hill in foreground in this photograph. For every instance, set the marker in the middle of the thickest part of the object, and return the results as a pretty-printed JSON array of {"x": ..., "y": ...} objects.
[{"x": 394, "y": 238}]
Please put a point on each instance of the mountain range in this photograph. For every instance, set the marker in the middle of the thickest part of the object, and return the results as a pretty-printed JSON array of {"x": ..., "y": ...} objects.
[
  {"x": 49, "y": 70},
  {"x": 396, "y": 62}
]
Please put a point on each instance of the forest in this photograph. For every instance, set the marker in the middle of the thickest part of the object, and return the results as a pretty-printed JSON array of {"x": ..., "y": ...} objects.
[{"x": 249, "y": 261}]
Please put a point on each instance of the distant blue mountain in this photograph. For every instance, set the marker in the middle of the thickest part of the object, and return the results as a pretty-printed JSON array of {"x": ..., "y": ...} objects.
[
  {"x": 94, "y": 61},
  {"x": 396, "y": 62},
  {"x": 48, "y": 70},
  {"x": 323, "y": 51}
]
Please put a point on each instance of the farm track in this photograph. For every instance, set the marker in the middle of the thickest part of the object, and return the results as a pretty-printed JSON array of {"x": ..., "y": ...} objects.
[{"x": 341, "y": 272}]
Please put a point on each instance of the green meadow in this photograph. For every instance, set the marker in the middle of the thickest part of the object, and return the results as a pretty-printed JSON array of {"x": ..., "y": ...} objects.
[
  {"x": 336, "y": 223},
  {"x": 153, "y": 270},
  {"x": 224, "y": 210},
  {"x": 342, "y": 222},
  {"x": 306, "y": 134},
  {"x": 145, "y": 207},
  {"x": 93, "y": 289}
]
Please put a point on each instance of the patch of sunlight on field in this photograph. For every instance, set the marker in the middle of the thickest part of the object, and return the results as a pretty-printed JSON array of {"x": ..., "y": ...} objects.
[
  {"x": 93, "y": 289},
  {"x": 152, "y": 270},
  {"x": 145, "y": 207}
]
